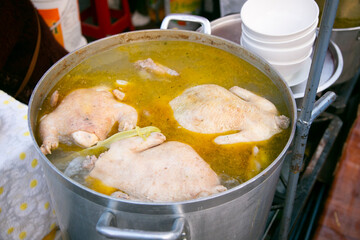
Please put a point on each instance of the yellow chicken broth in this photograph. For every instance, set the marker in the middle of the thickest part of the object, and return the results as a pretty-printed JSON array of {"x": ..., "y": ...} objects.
[{"x": 150, "y": 95}]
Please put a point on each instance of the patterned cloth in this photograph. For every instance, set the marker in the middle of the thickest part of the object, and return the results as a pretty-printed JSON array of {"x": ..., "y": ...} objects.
[{"x": 25, "y": 208}]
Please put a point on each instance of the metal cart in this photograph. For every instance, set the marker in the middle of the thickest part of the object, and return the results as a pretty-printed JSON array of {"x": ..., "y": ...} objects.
[{"x": 302, "y": 167}]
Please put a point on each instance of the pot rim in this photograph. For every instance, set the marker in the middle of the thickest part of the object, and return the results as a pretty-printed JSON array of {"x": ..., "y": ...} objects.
[
  {"x": 357, "y": 28},
  {"x": 163, "y": 207}
]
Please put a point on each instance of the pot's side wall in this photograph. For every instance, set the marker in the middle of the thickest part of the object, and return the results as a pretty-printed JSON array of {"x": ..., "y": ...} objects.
[
  {"x": 348, "y": 41},
  {"x": 243, "y": 218}
]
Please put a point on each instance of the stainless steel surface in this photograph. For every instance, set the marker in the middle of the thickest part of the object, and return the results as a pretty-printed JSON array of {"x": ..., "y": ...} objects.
[
  {"x": 229, "y": 27},
  {"x": 304, "y": 121},
  {"x": 205, "y": 24},
  {"x": 239, "y": 213},
  {"x": 107, "y": 221},
  {"x": 348, "y": 39}
]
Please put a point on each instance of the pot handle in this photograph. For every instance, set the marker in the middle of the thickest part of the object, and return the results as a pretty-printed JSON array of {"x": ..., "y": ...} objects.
[
  {"x": 107, "y": 219},
  {"x": 205, "y": 24}
]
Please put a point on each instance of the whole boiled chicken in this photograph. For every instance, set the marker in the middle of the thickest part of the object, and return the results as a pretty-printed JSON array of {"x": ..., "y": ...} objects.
[
  {"x": 210, "y": 108},
  {"x": 154, "y": 170},
  {"x": 84, "y": 117}
]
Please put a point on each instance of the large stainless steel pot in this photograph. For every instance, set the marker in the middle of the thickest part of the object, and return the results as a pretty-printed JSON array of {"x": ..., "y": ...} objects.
[
  {"x": 239, "y": 213},
  {"x": 348, "y": 40},
  {"x": 346, "y": 34}
]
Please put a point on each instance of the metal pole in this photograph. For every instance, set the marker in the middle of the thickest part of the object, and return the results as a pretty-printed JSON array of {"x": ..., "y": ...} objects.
[{"x": 303, "y": 123}]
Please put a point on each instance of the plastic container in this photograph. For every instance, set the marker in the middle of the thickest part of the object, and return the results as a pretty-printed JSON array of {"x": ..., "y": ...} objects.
[
  {"x": 309, "y": 34},
  {"x": 279, "y": 20},
  {"x": 289, "y": 69},
  {"x": 228, "y": 28},
  {"x": 62, "y": 17},
  {"x": 281, "y": 55}
]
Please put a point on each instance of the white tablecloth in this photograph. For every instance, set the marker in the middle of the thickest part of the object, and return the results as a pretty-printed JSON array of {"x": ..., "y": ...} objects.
[{"x": 25, "y": 207}]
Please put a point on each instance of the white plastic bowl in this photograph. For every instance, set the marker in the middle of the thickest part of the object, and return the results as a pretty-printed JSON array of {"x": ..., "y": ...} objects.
[
  {"x": 300, "y": 76},
  {"x": 279, "y": 20},
  {"x": 309, "y": 34},
  {"x": 290, "y": 69},
  {"x": 279, "y": 55}
]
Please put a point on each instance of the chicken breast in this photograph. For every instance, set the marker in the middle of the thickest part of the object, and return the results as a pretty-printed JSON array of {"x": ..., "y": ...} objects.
[
  {"x": 84, "y": 117},
  {"x": 157, "y": 171},
  {"x": 211, "y": 108}
]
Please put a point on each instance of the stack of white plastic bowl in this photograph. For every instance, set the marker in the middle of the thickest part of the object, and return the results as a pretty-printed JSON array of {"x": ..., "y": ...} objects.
[{"x": 282, "y": 32}]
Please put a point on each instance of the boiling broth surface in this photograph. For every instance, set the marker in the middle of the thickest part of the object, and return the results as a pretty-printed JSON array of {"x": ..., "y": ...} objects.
[{"x": 150, "y": 96}]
